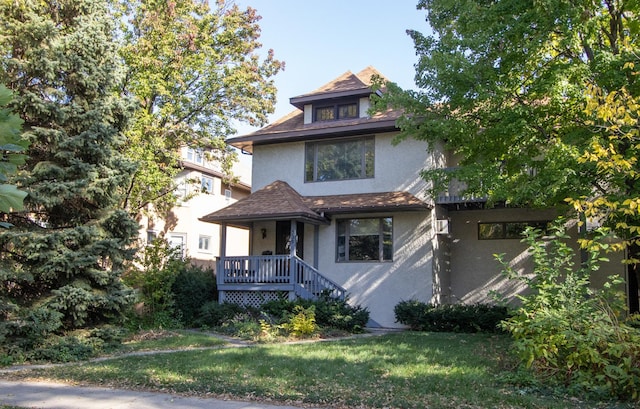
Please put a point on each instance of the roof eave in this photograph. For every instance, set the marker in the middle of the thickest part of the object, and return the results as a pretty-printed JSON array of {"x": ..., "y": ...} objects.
[
  {"x": 247, "y": 220},
  {"x": 301, "y": 100},
  {"x": 376, "y": 209},
  {"x": 246, "y": 143}
]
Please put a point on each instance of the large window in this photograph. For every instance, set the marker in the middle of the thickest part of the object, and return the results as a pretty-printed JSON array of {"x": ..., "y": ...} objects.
[
  {"x": 339, "y": 160},
  {"x": 369, "y": 239}
]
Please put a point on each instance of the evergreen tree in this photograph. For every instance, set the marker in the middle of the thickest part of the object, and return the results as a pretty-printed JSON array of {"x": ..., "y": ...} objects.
[{"x": 60, "y": 264}]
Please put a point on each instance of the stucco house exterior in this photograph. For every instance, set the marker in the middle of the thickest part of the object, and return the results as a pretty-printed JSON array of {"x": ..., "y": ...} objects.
[
  {"x": 337, "y": 206},
  {"x": 201, "y": 189}
]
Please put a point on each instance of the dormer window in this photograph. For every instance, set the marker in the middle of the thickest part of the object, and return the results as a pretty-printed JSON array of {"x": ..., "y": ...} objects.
[{"x": 335, "y": 112}]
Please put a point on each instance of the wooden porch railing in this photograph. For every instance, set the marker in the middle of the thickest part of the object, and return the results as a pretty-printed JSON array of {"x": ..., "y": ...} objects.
[{"x": 275, "y": 272}]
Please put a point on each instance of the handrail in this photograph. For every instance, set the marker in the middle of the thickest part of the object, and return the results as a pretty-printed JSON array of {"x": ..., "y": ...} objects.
[
  {"x": 310, "y": 279},
  {"x": 253, "y": 269},
  {"x": 277, "y": 269}
]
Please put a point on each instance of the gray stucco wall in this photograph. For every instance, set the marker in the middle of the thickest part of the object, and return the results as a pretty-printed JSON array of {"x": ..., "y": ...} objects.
[
  {"x": 379, "y": 286},
  {"x": 474, "y": 272}
]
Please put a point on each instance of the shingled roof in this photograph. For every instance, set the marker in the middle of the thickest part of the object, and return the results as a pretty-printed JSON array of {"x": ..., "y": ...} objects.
[
  {"x": 276, "y": 201},
  {"x": 292, "y": 126},
  {"x": 279, "y": 201}
]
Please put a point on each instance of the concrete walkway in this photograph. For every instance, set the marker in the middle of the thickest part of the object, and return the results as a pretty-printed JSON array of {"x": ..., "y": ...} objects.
[{"x": 46, "y": 395}]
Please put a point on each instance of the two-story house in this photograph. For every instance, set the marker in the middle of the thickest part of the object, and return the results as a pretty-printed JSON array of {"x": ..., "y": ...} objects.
[
  {"x": 201, "y": 188},
  {"x": 337, "y": 206}
]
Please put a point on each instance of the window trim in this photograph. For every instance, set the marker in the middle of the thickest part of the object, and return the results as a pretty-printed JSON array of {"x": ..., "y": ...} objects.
[
  {"x": 183, "y": 244},
  {"x": 505, "y": 231},
  {"x": 195, "y": 155},
  {"x": 363, "y": 157},
  {"x": 208, "y": 241},
  {"x": 381, "y": 235},
  {"x": 209, "y": 186}
]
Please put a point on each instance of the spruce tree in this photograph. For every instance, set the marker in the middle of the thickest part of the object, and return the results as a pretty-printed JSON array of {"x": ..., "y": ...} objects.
[{"x": 60, "y": 264}]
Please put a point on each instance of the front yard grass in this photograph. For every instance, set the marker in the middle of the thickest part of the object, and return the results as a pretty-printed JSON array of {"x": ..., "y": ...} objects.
[
  {"x": 398, "y": 370},
  {"x": 155, "y": 340}
]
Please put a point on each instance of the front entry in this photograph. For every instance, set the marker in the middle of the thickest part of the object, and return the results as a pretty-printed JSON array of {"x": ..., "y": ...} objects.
[{"x": 283, "y": 238}]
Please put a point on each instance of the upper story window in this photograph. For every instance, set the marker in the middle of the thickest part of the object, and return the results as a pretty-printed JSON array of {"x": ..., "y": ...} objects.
[
  {"x": 206, "y": 184},
  {"x": 335, "y": 111},
  {"x": 195, "y": 155},
  {"x": 339, "y": 159}
]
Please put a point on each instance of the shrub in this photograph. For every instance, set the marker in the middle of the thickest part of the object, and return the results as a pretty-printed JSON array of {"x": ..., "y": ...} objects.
[
  {"x": 72, "y": 346},
  {"x": 61, "y": 349},
  {"x": 568, "y": 333},
  {"x": 421, "y": 316},
  {"x": 302, "y": 322},
  {"x": 329, "y": 312},
  {"x": 193, "y": 287},
  {"x": 160, "y": 266},
  {"x": 213, "y": 314}
]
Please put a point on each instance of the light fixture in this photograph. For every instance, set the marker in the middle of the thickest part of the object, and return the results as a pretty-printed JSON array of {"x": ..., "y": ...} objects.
[{"x": 264, "y": 233}]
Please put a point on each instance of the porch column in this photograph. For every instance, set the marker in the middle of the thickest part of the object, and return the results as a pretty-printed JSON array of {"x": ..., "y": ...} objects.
[
  {"x": 223, "y": 240},
  {"x": 293, "y": 241},
  {"x": 220, "y": 263},
  {"x": 316, "y": 245}
]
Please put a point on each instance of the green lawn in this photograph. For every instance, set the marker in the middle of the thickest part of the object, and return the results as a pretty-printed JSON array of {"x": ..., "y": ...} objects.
[{"x": 400, "y": 370}]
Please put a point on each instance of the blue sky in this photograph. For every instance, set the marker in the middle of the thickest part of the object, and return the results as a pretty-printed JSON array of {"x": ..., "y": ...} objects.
[{"x": 320, "y": 40}]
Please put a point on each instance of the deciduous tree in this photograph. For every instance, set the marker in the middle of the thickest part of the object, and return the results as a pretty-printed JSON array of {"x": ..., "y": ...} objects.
[
  {"x": 195, "y": 72},
  {"x": 537, "y": 99}
]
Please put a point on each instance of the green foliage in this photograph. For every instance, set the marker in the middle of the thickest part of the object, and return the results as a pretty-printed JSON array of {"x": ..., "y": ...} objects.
[
  {"x": 213, "y": 314},
  {"x": 31, "y": 326},
  {"x": 11, "y": 145},
  {"x": 329, "y": 312},
  {"x": 538, "y": 101},
  {"x": 194, "y": 68},
  {"x": 569, "y": 333},
  {"x": 302, "y": 322},
  {"x": 339, "y": 314},
  {"x": 72, "y": 346},
  {"x": 281, "y": 318},
  {"x": 61, "y": 262},
  {"x": 193, "y": 287},
  {"x": 420, "y": 316},
  {"x": 153, "y": 276}
]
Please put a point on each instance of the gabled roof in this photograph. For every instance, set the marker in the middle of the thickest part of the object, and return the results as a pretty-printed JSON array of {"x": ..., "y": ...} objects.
[
  {"x": 292, "y": 127},
  {"x": 279, "y": 201}
]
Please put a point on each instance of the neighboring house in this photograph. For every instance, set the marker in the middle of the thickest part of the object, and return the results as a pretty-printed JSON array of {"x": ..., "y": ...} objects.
[
  {"x": 201, "y": 188},
  {"x": 337, "y": 206}
]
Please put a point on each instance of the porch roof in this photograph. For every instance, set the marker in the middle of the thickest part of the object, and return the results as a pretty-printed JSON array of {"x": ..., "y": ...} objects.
[
  {"x": 365, "y": 202},
  {"x": 276, "y": 201},
  {"x": 279, "y": 201}
]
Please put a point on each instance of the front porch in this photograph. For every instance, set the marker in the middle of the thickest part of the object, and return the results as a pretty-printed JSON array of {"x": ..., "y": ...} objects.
[{"x": 251, "y": 280}]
